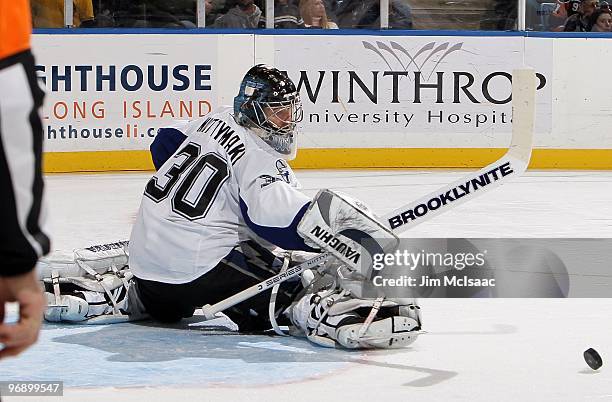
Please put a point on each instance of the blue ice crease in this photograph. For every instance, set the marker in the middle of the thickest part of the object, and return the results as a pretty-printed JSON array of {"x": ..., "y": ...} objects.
[{"x": 145, "y": 354}]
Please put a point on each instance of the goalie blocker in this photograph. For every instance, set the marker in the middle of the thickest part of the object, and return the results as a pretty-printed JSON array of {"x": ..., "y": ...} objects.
[{"x": 346, "y": 228}]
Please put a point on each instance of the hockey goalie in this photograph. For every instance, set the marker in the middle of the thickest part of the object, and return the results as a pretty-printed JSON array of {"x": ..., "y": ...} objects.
[{"x": 224, "y": 212}]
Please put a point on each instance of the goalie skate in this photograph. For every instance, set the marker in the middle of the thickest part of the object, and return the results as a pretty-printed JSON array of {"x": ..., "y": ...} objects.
[
  {"x": 100, "y": 300},
  {"x": 336, "y": 318},
  {"x": 392, "y": 332}
]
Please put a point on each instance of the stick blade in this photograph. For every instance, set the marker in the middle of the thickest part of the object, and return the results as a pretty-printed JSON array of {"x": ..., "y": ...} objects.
[{"x": 523, "y": 113}]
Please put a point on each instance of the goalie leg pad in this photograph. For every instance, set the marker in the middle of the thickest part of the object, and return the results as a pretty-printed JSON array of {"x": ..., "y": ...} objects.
[
  {"x": 334, "y": 318},
  {"x": 95, "y": 259},
  {"x": 89, "y": 300},
  {"x": 88, "y": 285}
]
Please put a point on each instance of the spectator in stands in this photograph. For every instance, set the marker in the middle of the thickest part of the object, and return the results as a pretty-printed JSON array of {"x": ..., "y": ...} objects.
[
  {"x": 211, "y": 13},
  {"x": 563, "y": 10},
  {"x": 566, "y": 8},
  {"x": 50, "y": 13},
  {"x": 366, "y": 14},
  {"x": 579, "y": 22},
  {"x": 223, "y": 6},
  {"x": 104, "y": 13},
  {"x": 400, "y": 15},
  {"x": 244, "y": 15},
  {"x": 331, "y": 6},
  {"x": 185, "y": 11},
  {"x": 601, "y": 21},
  {"x": 315, "y": 16},
  {"x": 154, "y": 13},
  {"x": 502, "y": 15},
  {"x": 286, "y": 15}
]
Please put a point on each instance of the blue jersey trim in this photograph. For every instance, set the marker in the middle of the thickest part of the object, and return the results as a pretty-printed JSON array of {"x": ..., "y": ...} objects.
[
  {"x": 286, "y": 238},
  {"x": 165, "y": 144}
]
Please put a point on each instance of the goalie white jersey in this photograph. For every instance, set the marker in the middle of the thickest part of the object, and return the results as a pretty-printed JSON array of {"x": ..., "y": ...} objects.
[{"x": 220, "y": 186}]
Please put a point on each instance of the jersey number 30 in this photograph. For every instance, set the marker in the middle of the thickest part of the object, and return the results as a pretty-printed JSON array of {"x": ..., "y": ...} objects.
[{"x": 199, "y": 179}]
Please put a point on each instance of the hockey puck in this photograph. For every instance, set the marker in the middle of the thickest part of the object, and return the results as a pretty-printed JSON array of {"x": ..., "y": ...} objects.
[{"x": 592, "y": 358}]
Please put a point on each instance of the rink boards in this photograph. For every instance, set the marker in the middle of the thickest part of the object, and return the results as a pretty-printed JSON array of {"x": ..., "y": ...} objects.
[{"x": 374, "y": 100}]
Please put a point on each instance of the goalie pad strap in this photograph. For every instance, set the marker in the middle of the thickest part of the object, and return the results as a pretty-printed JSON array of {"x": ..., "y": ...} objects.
[
  {"x": 56, "y": 286},
  {"x": 98, "y": 277},
  {"x": 272, "y": 305},
  {"x": 370, "y": 317}
]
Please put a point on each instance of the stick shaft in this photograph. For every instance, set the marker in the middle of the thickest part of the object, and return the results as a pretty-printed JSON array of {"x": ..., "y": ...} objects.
[{"x": 447, "y": 197}]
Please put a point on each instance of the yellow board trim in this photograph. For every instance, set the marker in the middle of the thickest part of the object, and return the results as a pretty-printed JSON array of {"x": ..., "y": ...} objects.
[
  {"x": 96, "y": 161},
  {"x": 350, "y": 158}
]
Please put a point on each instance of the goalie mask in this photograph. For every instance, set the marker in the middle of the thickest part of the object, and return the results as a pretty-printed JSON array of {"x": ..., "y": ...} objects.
[{"x": 269, "y": 104}]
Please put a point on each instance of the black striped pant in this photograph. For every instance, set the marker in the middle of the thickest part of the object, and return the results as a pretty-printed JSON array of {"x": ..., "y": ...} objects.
[
  {"x": 168, "y": 302},
  {"x": 22, "y": 240}
]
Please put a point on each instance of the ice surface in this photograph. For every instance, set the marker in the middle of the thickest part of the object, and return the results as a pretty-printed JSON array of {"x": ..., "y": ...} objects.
[{"x": 476, "y": 350}]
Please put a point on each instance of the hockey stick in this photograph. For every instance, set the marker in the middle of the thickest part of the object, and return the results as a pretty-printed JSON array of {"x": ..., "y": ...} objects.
[{"x": 512, "y": 164}]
